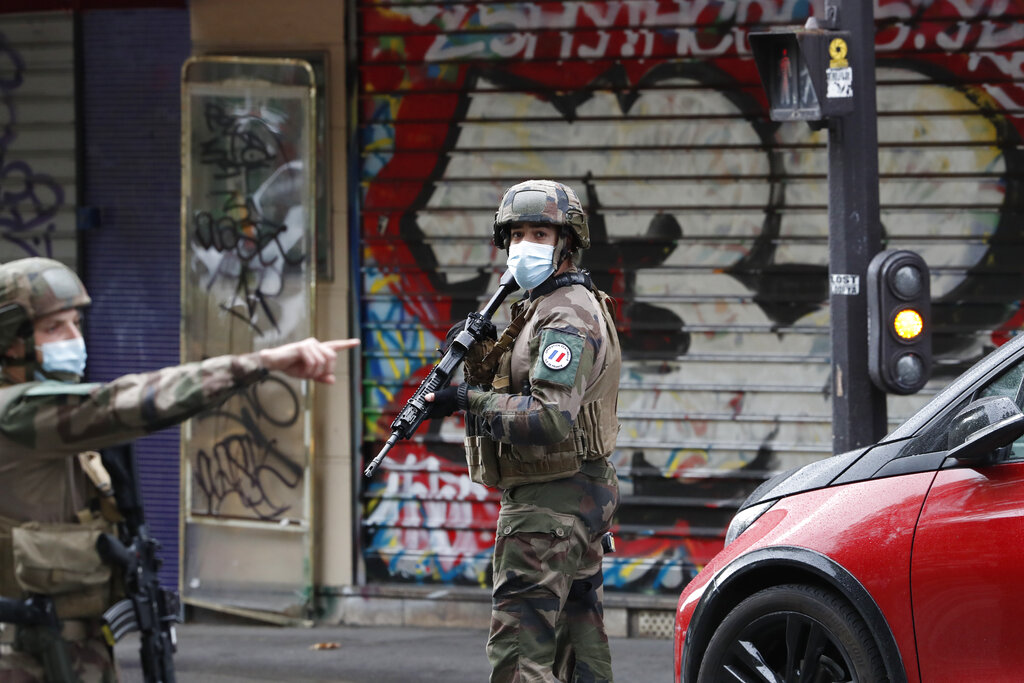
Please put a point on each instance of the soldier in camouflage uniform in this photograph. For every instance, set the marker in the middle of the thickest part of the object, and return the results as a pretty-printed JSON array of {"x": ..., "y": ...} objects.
[
  {"x": 541, "y": 427},
  {"x": 47, "y": 417}
]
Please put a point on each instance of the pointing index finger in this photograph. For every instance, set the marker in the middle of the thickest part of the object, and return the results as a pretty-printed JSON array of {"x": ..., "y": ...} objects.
[{"x": 340, "y": 344}]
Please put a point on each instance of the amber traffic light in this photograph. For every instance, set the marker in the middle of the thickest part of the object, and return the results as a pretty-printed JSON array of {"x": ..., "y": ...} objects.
[{"x": 899, "y": 322}]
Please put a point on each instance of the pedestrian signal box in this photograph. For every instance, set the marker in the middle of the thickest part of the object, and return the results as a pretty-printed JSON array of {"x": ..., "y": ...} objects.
[
  {"x": 805, "y": 72},
  {"x": 899, "y": 322}
]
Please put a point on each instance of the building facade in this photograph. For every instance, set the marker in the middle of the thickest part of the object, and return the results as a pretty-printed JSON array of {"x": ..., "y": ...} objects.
[{"x": 709, "y": 225}]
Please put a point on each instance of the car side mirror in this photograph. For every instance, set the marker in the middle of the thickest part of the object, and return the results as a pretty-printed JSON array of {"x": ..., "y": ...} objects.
[{"x": 982, "y": 427}]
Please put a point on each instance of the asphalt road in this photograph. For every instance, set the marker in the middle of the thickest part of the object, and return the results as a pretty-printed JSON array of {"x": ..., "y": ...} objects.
[{"x": 228, "y": 653}]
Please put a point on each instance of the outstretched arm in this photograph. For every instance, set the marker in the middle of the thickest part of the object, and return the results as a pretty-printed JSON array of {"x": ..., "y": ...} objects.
[{"x": 58, "y": 418}]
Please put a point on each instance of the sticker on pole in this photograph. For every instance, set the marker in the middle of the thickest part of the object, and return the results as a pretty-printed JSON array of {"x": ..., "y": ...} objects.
[
  {"x": 845, "y": 285},
  {"x": 839, "y": 75},
  {"x": 840, "y": 83}
]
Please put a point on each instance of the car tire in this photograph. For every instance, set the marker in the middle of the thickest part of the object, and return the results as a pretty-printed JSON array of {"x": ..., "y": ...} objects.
[{"x": 793, "y": 633}]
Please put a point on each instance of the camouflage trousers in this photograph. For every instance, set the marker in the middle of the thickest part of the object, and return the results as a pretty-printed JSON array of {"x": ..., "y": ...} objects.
[
  {"x": 90, "y": 657},
  {"x": 547, "y": 613}
]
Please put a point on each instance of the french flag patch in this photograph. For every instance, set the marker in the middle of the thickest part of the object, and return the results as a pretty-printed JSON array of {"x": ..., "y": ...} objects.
[{"x": 556, "y": 356}]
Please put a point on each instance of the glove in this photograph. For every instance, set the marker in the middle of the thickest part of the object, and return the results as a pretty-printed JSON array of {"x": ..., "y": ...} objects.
[
  {"x": 490, "y": 332},
  {"x": 474, "y": 369},
  {"x": 448, "y": 400}
]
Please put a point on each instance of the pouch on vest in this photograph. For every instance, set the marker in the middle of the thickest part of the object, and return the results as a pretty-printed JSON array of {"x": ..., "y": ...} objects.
[
  {"x": 601, "y": 433},
  {"x": 482, "y": 458},
  {"x": 61, "y": 560},
  {"x": 482, "y": 451}
]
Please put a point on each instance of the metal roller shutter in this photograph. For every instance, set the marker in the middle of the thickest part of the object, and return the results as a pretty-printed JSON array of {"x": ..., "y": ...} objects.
[
  {"x": 38, "y": 177},
  {"x": 132, "y": 134},
  {"x": 709, "y": 225}
]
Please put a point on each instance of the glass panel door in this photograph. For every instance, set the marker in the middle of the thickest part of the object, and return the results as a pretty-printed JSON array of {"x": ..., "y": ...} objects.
[{"x": 249, "y": 263}]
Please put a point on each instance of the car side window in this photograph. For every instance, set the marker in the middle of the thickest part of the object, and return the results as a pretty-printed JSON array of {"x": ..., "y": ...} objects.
[
  {"x": 935, "y": 437},
  {"x": 1008, "y": 384}
]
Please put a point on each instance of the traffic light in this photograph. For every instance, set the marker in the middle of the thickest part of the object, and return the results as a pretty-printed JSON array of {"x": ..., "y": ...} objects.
[
  {"x": 805, "y": 72},
  {"x": 899, "y": 322}
]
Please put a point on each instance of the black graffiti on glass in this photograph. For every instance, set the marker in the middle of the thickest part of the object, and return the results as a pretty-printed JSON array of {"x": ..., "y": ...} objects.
[
  {"x": 248, "y": 230},
  {"x": 239, "y": 144},
  {"x": 246, "y": 237},
  {"x": 246, "y": 464}
]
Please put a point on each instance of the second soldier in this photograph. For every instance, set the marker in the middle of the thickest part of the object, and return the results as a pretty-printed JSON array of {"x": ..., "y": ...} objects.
[{"x": 541, "y": 423}]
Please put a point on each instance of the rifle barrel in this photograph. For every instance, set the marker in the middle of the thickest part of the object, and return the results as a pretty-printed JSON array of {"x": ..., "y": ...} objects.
[{"x": 380, "y": 456}]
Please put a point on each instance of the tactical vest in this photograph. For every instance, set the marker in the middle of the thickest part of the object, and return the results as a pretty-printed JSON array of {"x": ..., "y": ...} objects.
[
  {"x": 45, "y": 545},
  {"x": 595, "y": 428}
]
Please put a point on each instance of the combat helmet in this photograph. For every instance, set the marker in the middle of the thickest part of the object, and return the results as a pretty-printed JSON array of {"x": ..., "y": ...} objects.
[
  {"x": 31, "y": 288},
  {"x": 543, "y": 202}
]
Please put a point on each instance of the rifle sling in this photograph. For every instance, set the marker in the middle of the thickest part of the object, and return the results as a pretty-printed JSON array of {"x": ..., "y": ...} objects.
[
  {"x": 92, "y": 465},
  {"x": 505, "y": 342}
]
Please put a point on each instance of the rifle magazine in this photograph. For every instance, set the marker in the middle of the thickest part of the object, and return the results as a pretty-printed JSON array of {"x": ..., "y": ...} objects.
[{"x": 120, "y": 620}]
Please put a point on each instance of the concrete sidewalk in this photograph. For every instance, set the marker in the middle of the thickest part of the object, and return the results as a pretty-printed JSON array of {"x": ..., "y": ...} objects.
[{"x": 230, "y": 653}]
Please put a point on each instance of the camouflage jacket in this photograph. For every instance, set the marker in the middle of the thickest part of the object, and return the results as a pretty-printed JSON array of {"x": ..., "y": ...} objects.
[
  {"x": 42, "y": 423},
  {"x": 556, "y": 392}
]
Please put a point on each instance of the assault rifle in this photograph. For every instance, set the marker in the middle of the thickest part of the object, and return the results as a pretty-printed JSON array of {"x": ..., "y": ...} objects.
[
  {"x": 42, "y": 639},
  {"x": 148, "y": 609},
  {"x": 440, "y": 376}
]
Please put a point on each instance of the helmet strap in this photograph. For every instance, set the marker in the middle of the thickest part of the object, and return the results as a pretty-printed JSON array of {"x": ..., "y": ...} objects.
[
  {"x": 563, "y": 247},
  {"x": 29, "y": 360}
]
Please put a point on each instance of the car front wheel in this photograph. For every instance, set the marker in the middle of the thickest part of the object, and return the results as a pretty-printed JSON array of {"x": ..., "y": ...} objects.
[{"x": 793, "y": 633}]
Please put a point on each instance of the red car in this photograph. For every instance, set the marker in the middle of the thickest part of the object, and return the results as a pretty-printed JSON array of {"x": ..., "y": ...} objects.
[{"x": 897, "y": 562}]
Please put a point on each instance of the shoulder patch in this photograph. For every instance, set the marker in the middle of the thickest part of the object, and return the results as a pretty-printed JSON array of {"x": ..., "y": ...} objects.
[
  {"x": 59, "y": 388},
  {"x": 558, "y": 357}
]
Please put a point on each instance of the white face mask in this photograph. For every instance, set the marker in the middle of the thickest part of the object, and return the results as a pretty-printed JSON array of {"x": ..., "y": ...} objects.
[
  {"x": 66, "y": 356},
  {"x": 531, "y": 263}
]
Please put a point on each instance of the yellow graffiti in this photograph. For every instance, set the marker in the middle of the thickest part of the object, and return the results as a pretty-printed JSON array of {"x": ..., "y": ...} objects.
[
  {"x": 375, "y": 288},
  {"x": 630, "y": 567},
  {"x": 391, "y": 359},
  {"x": 682, "y": 459},
  {"x": 384, "y": 281}
]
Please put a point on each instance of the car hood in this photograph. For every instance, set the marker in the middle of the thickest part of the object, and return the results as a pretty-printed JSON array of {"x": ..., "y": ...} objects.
[
  {"x": 885, "y": 458},
  {"x": 816, "y": 475}
]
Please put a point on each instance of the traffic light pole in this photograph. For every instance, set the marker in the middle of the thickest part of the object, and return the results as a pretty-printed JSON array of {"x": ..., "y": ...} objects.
[{"x": 855, "y": 236}]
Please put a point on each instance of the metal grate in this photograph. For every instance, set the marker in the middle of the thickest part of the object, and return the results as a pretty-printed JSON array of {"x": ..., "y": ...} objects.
[
  {"x": 650, "y": 623},
  {"x": 132, "y": 263}
]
